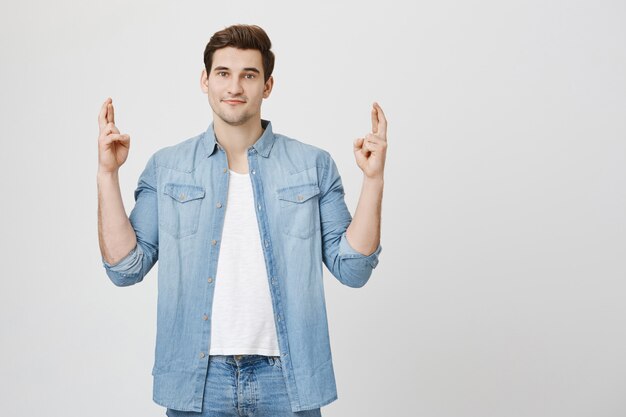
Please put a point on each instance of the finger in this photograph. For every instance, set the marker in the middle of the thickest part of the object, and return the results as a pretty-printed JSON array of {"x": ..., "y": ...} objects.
[
  {"x": 374, "y": 138},
  {"x": 363, "y": 149},
  {"x": 359, "y": 146},
  {"x": 374, "y": 120},
  {"x": 382, "y": 120},
  {"x": 373, "y": 146},
  {"x": 116, "y": 137},
  {"x": 102, "y": 116},
  {"x": 374, "y": 142},
  {"x": 122, "y": 139},
  {"x": 111, "y": 128},
  {"x": 110, "y": 113}
]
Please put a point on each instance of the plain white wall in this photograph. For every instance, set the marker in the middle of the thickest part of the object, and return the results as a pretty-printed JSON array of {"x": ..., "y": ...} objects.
[{"x": 501, "y": 285}]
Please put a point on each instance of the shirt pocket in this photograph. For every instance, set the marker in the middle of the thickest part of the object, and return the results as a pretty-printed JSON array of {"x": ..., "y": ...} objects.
[
  {"x": 180, "y": 209},
  {"x": 299, "y": 210}
]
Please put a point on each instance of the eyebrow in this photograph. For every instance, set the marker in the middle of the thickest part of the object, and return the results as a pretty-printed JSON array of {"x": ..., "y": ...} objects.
[{"x": 253, "y": 69}]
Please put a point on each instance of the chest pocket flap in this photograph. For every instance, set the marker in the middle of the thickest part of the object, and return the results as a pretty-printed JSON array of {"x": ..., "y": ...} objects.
[
  {"x": 184, "y": 192},
  {"x": 298, "y": 193}
]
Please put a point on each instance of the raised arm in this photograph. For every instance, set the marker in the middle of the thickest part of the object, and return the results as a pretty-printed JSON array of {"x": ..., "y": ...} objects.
[
  {"x": 370, "y": 151},
  {"x": 115, "y": 233},
  {"x": 128, "y": 245}
]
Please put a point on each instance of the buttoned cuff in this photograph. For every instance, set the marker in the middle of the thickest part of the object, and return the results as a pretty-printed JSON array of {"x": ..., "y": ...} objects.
[
  {"x": 130, "y": 264},
  {"x": 347, "y": 251}
]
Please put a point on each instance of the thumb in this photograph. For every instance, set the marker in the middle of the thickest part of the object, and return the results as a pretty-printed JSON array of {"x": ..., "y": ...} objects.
[
  {"x": 357, "y": 144},
  {"x": 360, "y": 153}
]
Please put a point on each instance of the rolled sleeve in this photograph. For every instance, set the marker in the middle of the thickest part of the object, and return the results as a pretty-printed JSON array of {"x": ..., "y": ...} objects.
[
  {"x": 130, "y": 264},
  {"x": 348, "y": 252},
  {"x": 144, "y": 220},
  {"x": 350, "y": 267}
]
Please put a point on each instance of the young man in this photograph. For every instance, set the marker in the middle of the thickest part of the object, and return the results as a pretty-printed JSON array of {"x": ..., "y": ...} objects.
[{"x": 241, "y": 220}]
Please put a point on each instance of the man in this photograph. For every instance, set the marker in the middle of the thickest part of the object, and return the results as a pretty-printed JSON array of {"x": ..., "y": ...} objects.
[{"x": 241, "y": 220}]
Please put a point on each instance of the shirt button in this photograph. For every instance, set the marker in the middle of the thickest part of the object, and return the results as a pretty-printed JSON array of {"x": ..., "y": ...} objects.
[
  {"x": 201, "y": 355},
  {"x": 182, "y": 196},
  {"x": 267, "y": 243},
  {"x": 300, "y": 198},
  {"x": 213, "y": 242},
  {"x": 218, "y": 205},
  {"x": 210, "y": 279},
  {"x": 259, "y": 207},
  {"x": 205, "y": 317},
  {"x": 224, "y": 170},
  {"x": 253, "y": 172}
]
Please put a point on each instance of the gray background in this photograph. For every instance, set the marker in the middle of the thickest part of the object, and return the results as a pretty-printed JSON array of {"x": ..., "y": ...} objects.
[{"x": 500, "y": 289}]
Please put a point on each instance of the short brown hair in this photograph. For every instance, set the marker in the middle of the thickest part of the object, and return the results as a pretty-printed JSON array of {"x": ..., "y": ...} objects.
[{"x": 242, "y": 37}]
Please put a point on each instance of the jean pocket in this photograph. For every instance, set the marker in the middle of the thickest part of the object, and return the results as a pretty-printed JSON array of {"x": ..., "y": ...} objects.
[
  {"x": 180, "y": 209},
  {"x": 299, "y": 209}
]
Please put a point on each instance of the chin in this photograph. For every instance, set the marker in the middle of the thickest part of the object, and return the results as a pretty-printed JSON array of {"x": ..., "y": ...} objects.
[{"x": 234, "y": 121}]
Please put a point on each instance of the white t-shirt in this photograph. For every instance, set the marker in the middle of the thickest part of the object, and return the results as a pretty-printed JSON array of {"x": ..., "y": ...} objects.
[{"x": 242, "y": 320}]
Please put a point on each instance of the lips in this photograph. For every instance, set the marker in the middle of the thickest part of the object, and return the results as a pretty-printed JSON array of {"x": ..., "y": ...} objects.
[{"x": 233, "y": 101}]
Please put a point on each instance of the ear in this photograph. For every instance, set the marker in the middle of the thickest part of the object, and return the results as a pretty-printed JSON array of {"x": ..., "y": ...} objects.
[
  {"x": 269, "y": 84},
  {"x": 204, "y": 81}
]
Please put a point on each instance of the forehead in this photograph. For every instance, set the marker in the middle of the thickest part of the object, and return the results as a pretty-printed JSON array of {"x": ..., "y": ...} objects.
[{"x": 237, "y": 59}]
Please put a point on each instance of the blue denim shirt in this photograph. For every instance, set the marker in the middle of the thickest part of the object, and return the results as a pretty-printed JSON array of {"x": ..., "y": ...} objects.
[{"x": 180, "y": 201}]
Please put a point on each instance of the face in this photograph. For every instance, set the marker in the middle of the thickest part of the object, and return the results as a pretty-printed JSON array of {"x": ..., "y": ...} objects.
[{"x": 235, "y": 85}]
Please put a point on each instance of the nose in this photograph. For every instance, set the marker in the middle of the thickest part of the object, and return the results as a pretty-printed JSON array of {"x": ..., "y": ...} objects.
[{"x": 235, "y": 89}]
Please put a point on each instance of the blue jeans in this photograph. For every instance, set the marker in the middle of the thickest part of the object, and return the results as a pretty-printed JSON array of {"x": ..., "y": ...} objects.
[{"x": 245, "y": 385}]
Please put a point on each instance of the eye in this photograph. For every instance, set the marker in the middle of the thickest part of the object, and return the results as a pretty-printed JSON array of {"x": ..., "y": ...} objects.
[
  {"x": 222, "y": 73},
  {"x": 250, "y": 76}
]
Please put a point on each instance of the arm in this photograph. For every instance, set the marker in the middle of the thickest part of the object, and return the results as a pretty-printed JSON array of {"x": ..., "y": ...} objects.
[
  {"x": 115, "y": 233},
  {"x": 350, "y": 267},
  {"x": 139, "y": 252},
  {"x": 370, "y": 153},
  {"x": 364, "y": 230},
  {"x": 129, "y": 246}
]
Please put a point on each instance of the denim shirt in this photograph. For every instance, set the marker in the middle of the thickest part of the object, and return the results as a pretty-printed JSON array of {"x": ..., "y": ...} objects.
[{"x": 178, "y": 217}]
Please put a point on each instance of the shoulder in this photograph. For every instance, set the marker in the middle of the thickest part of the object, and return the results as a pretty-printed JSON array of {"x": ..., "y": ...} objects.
[
  {"x": 300, "y": 154},
  {"x": 302, "y": 162},
  {"x": 180, "y": 156}
]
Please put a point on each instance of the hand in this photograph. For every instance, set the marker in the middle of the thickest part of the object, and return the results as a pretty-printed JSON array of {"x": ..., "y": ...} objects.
[
  {"x": 112, "y": 146},
  {"x": 370, "y": 151}
]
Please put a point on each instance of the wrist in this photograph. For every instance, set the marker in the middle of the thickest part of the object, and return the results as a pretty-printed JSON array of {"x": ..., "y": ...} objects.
[
  {"x": 377, "y": 180},
  {"x": 107, "y": 174}
]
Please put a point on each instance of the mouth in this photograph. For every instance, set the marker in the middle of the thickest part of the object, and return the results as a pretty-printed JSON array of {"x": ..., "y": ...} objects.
[{"x": 233, "y": 102}]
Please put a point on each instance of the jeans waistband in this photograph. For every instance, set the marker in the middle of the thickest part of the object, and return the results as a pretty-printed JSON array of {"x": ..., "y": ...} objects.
[{"x": 240, "y": 360}]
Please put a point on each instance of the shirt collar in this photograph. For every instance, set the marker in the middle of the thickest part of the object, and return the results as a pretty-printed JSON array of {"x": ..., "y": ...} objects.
[{"x": 263, "y": 145}]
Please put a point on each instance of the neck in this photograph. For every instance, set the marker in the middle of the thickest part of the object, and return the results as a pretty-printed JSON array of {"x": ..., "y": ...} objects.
[{"x": 237, "y": 139}]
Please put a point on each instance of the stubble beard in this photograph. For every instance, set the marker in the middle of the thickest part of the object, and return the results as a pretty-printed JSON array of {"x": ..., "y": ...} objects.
[{"x": 232, "y": 120}]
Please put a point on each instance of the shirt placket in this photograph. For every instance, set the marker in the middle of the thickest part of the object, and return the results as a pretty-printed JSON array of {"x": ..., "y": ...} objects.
[
  {"x": 220, "y": 175},
  {"x": 277, "y": 304}
]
